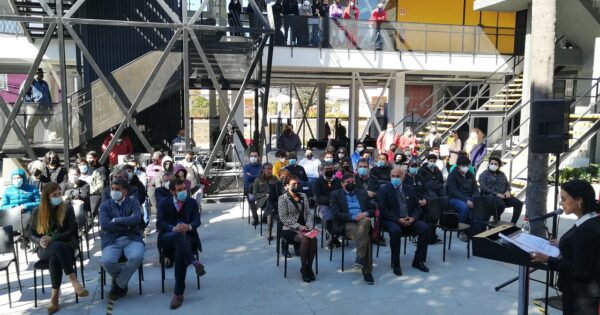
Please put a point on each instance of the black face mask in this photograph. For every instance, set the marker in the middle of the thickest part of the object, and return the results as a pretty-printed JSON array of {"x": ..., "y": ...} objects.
[
  {"x": 329, "y": 173},
  {"x": 309, "y": 156},
  {"x": 350, "y": 187},
  {"x": 53, "y": 161},
  {"x": 37, "y": 172},
  {"x": 294, "y": 189}
]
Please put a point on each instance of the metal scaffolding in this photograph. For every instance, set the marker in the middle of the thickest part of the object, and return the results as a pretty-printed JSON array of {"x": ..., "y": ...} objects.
[{"x": 183, "y": 29}]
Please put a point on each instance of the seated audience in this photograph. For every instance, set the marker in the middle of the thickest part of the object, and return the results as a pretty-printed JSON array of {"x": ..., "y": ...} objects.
[
  {"x": 297, "y": 217},
  {"x": 54, "y": 229},
  {"x": 433, "y": 179},
  {"x": 311, "y": 166},
  {"x": 352, "y": 211},
  {"x": 322, "y": 189},
  {"x": 178, "y": 219},
  {"x": 20, "y": 194},
  {"x": 493, "y": 182},
  {"x": 76, "y": 189},
  {"x": 261, "y": 188},
  {"x": 462, "y": 190},
  {"x": 401, "y": 212},
  {"x": 381, "y": 171},
  {"x": 37, "y": 179},
  {"x": 54, "y": 170},
  {"x": 121, "y": 235},
  {"x": 371, "y": 185},
  {"x": 251, "y": 171},
  {"x": 295, "y": 169},
  {"x": 357, "y": 155},
  {"x": 280, "y": 163}
]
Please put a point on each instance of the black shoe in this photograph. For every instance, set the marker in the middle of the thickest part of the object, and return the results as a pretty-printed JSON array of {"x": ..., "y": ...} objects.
[
  {"x": 311, "y": 274},
  {"x": 358, "y": 263},
  {"x": 114, "y": 293},
  {"x": 436, "y": 240},
  {"x": 397, "y": 270},
  {"x": 254, "y": 222},
  {"x": 123, "y": 292},
  {"x": 168, "y": 262},
  {"x": 421, "y": 266},
  {"x": 463, "y": 237},
  {"x": 368, "y": 278},
  {"x": 305, "y": 275}
]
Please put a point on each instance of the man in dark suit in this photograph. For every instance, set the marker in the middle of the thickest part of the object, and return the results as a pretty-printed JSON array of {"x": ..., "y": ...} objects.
[
  {"x": 401, "y": 212},
  {"x": 322, "y": 189},
  {"x": 177, "y": 220},
  {"x": 351, "y": 211}
]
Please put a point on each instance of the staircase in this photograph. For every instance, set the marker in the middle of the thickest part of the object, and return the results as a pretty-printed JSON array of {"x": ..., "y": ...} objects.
[{"x": 509, "y": 96}]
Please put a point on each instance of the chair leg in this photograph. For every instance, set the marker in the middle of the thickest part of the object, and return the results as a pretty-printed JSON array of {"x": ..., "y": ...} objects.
[
  {"x": 261, "y": 222},
  {"x": 18, "y": 277},
  {"x": 162, "y": 271},
  {"x": 377, "y": 255},
  {"x": 405, "y": 241},
  {"x": 140, "y": 273},
  {"x": 444, "y": 249},
  {"x": 102, "y": 275},
  {"x": 87, "y": 244},
  {"x": 343, "y": 247},
  {"x": 25, "y": 251},
  {"x": 285, "y": 259},
  {"x": 8, "y": 286},
  {"x": 331, "y": 252},
  {"x": 81, "y": 265},
  {"x": 322, "y": 234},
  {"x": 450, "y": 240},
  {"x": 35, "y": 287},
  {"x": 317, "y": 262},
  {"x": 42, "y": 276},
  {"x": 469, "y": 248}
]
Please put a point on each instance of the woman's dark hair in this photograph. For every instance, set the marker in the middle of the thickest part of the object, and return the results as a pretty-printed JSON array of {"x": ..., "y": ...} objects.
[
  {"x": 280, "y": 154},
  {"x": 581, "y": 189},
  {"x": 463, "y": 160},
  {"x": 497, "y": 159},
  {"x": 290, "y": 178},
  {"x": 49, "y": 156}
]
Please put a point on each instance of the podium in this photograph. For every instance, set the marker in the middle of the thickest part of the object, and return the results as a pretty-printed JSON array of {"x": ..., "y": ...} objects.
[{"x": 489, "y": 245}]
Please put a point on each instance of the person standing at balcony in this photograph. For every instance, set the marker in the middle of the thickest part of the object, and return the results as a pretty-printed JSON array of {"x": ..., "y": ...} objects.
[
  {"x": 306, "y": 15},
  {"x": 378, "y": 16},
  {"x": 277, "y": 20},
  {"x": 387, "y": 138},
  {"x": 336, "y": 13},
  {"x": 38, "y": 105},
  {"x": 290, "y": 17},
  {"x": 317, "y": 8},
  {"x": 351, "y": 13},
  {"x": 235, "y": 11},
  {"x": 476, "y": 147},
  {"x": 289, "y": 141}
]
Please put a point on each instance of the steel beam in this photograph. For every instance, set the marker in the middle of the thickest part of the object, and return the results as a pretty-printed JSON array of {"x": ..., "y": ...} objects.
[
  {"x": 304, "y": 111},
  {"x": 141, "y": 94},
  {"x": 371, "y": 109},
  {"x": 18, "y": 131},
  {"x": 265, "y": 98},
  {"x": 63, "y": 83},
  {"x": 186, "y": 77},
  {"x": 74, "y": 9},
  {"x": 27, "y": 85},
  {"x": 170, "y": 12},
  {"x": 47, "y": 9},
  {"x": 260, "y": 15},
  {"x": 192, "y": 21},
  {"x": 236, "y": 104},
  {"x": 111, "y": 90}
]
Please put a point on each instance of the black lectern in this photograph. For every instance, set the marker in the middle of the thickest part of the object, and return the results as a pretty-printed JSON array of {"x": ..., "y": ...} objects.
[{"x": 489, "y": 245}]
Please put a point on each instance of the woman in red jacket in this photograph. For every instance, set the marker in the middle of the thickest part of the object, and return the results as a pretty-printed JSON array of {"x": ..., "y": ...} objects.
[{"x": 122, "y": 147}]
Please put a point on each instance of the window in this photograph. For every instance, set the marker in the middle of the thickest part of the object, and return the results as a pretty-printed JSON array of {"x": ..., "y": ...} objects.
[{"x": 3, "y": 82}]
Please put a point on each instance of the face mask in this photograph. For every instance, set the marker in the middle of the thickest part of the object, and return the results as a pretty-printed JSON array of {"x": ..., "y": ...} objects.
[
  {"x": 362, "y": 171},
  {"x": 37, "y": 173},
  {"x": 433, "y": 132},
  {"x": 292, "y": 162},
  {"x": 182, "y": 195},
  {"x": 350, "y": 187},
  {"x": 83, "y": 169},
  {"x": 408, "y": 133},
  {"x": 253, "y": 160},
  {"x": 73, "y": 179},
  {"x": 328, "y": 160},
  {"x": 396, "y": 181},
  {"x": 91, "y": 162},
  {"x": 390, "y": 129},
  {"x": 431, "y": 165},
  {"x": 329, "y": 173},
  {"x": 473, "y": 135},
  {"x": 310, "y": 156},
  {"x": 116, "y": 195},
  {"x": 412, "y": 170},
  {"x": 17, "y": 182},
  {"x": 166, "y": 185},
  {"x": 398, "y": 160},
  {"x": 493, "y": 168},
  {"x": 341, "y": 155},
  {"x": 282, "y": 160},
  {"x": 352, "y": 4},
  {"x": 359, "y": 149},
  {"x": 55, "y": 201},
  {"x": 464, "y": 169},
  {"x": 294, "y": 189},
  {"x": 130, "y": 175},
  {"x": 380, "y": 163}
]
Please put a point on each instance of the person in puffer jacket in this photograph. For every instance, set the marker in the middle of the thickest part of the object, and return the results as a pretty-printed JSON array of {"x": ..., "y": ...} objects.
[{"x": 20, "y": 193}]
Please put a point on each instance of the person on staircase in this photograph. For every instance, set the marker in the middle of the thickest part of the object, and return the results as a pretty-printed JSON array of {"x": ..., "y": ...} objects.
[
  {"x": 476, "y": 147},
  {"x": 454, "y": 147}
]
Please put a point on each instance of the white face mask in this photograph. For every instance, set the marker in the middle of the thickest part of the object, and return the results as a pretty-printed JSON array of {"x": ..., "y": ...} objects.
[
  {"x": 282, "y": 160},
  {"x": 473, "y": 135},
  {"x": 166, "y": 185},
  {"x": 464, "y": 169},
  {"x": 390, "y": 129},
  {"x": 73, "y": 179},
  {"x": 253, "y": 159},
  {"x": 493, "y": 168}
]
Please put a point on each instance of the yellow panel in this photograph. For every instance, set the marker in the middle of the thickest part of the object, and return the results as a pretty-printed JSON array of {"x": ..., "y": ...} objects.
[
  {"x": 432, "y": 11},
  {"x": 489, "y": 18},
  {"x": 507, "y": 19},
  {"x": 471, "y": 17}
]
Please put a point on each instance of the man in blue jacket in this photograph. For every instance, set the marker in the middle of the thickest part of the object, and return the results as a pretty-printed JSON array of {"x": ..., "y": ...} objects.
[
  {"x": 121, "y": 235},
  {"x": 401, "y": 212},
  {"x": 178, "y": 219},
  {"x": 20, "y": 193}
]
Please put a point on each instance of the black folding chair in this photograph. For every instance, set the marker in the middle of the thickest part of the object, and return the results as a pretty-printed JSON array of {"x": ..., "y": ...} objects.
[
  {"x": 439, "y": 213},
  {"x": 284, "y": 245},
  {"x": 7, "y": 245},
  {"x": 14, "y": 218},
  {"x": 42, "y": 265},
  {"x": 82, "y": 225},
  {"x": 162, "y": 256},
  {"x": 122, "y": 260}
]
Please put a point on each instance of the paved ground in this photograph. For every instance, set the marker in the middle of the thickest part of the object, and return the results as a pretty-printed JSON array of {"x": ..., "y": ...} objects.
[{"x": 242, "y": 279}]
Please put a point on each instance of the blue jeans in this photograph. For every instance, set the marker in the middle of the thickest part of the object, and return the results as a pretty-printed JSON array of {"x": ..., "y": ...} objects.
[
  {"x": 462, "y": 209},
  {"x": 123, "y": 246}
]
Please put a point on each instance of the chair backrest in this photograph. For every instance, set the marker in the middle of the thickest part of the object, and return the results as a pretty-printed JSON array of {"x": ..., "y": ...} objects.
[
  {"x": 12, "y": 217},
  {"x": 6, "y": 240},
  {"x": 484, "y": 207},
  {"x": 436, "y": 206}
]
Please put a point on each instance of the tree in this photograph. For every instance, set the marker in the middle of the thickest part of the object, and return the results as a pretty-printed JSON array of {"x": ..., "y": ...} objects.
[
  {"x": 543, "y": 32},
  {"x": 199, "y": 107}
]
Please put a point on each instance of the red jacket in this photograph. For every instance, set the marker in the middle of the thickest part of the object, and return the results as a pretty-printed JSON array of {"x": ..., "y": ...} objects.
[
  {"x": 125, "y": 147},
  {"x": 378, "y": 16},
  {"x": 382, "y": 146},
  {"x": 347, "y": 14}
]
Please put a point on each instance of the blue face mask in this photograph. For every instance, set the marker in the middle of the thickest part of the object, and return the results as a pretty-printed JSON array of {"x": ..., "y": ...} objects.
[
  {"x": 18, "y": 182},
  {"x": 380, "y": 163},
  {"x": 130, "y": 175},
  {"x": 412, "y": 170},
  {"x": 396, "y": 181},
  {"x": 292, "y": 161},
  {"x": 83, "y": 169},
  {"x": 116, "y": 195},
  {"x": 55, "y": 201},
  {"x": 182, "y": 195},
  {"x": 362, "y": 171}
]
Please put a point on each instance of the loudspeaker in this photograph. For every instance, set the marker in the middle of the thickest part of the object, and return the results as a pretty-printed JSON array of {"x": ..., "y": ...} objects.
[{"x": 549, "y": 127}]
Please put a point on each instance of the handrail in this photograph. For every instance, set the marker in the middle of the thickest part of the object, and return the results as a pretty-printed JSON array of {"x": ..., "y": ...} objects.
[{"x": 513, "y": 111}]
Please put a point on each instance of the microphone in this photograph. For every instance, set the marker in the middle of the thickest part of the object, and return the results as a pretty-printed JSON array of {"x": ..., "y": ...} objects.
[{"x": 554, "y": 213}]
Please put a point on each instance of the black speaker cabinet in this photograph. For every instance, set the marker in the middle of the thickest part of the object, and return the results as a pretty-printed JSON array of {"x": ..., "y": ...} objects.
[{"x": 549, "y": 127}]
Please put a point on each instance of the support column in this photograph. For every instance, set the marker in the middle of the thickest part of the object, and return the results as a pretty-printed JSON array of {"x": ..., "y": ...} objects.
[
  {"x": 214, "y": 123},
  {"x": 238, "y": 119},
  {"x": 321, "y": 90},
  {"x": 524, "y": 130},
  {"x": 396, "y": 101},
  {"x": 353, "y": 104},
  {"x": 594, "y": 153}
]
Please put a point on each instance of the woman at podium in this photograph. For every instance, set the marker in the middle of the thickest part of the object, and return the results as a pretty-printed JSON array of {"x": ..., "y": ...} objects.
[{"x": 579, "y": 264}]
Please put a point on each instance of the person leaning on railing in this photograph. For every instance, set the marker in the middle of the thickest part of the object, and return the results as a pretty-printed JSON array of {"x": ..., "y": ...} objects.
[
  {"x": 377, "y": 17},
  {"x": 38, "y": 105}
]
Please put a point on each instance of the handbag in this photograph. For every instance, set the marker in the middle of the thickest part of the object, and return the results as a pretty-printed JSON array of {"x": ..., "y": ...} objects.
[{"x": 449, "y": 219}]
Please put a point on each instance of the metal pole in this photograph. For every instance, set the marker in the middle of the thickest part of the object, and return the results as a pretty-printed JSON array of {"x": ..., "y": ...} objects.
[
  {"x": 186, "y": 74},
  {"x": 63, "y": 83},
  {"x": 523, "y": 290}
]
